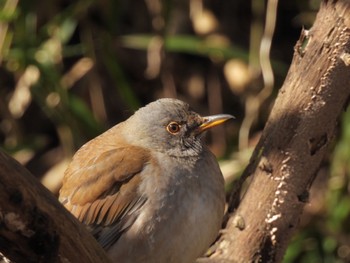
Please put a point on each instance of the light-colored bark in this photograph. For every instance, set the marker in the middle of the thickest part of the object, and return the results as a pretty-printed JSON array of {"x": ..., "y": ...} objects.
[{"x": 294, "y": 142}]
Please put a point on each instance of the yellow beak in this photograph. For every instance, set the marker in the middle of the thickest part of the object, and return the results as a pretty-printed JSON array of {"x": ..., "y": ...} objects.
[{"x": 212, "y": 121}]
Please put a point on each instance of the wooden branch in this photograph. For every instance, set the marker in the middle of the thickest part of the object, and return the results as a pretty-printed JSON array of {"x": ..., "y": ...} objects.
[
  {"x": 34, "y": 226},
  {"x": 294, "y": 142}
]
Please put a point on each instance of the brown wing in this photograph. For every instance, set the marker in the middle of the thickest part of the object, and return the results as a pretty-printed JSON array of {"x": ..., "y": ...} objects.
[{"x": 100, "y": 187}]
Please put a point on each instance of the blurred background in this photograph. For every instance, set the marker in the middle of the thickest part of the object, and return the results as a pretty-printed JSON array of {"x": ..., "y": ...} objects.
[{"x": 69, "y": 70}]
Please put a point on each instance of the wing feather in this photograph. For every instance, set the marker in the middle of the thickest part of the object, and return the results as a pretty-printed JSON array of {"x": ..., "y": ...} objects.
[{"x": 102, "y": 190}]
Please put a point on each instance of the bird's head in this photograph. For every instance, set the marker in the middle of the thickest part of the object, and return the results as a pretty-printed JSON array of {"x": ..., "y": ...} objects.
[{"x": 171, "y": 126}]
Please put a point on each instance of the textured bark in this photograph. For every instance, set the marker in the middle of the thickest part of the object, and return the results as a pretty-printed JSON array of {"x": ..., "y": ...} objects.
[
  {"x": 295, "y": 139},
  {"x": 34, "y": 227}
]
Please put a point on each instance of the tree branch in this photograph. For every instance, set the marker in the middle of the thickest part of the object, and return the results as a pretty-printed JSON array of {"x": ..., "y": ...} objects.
[
  {"x": 294, "y": 142},
  {"x": 34, "y": 226}
]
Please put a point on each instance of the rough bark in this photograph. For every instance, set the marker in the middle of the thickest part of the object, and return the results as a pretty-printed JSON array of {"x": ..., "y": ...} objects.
[
  {"x": 34, "y": 227},
  {"x": 294, "y": 142}
]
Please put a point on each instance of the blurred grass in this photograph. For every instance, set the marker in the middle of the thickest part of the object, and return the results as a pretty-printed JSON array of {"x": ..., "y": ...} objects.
[
  {"x": 48, "y": 110},
  {"x": 219, "y": 47}
]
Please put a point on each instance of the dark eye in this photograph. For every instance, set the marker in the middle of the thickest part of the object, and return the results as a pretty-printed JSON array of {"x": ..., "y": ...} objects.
[{"x": 173, "y": 127}]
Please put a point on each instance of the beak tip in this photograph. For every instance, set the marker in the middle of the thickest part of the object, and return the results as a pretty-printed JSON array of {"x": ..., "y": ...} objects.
[{"x": 214, "y": 120}]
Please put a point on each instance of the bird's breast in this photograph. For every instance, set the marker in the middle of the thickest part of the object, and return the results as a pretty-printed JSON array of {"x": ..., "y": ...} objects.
[{"x": 183, "y": 212}]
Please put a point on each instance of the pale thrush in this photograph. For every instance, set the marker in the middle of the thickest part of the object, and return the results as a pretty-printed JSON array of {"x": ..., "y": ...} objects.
[{"x": 149, "y": 189}]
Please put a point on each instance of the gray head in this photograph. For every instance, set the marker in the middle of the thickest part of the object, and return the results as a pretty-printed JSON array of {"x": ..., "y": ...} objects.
[{"x": 171, "y": 126}]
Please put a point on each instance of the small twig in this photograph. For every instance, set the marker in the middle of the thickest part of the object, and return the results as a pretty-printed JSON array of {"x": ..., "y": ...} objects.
[{"x": 253, "y": 103}]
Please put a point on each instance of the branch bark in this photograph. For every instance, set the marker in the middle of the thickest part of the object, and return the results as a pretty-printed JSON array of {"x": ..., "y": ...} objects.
[
  {"x": 294, "y": 142},
  {"x": 34, "y": 226}
]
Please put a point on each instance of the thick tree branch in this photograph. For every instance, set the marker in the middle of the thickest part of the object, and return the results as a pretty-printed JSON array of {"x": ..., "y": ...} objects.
[
  {"x": 34, "y": 227},
  {"x": 294, "y": 142}
]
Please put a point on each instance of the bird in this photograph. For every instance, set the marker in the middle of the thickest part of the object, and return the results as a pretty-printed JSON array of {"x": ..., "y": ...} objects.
[{"x": 149, "y": 189}]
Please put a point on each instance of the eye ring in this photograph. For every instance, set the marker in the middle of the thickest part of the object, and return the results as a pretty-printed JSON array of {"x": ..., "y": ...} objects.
[{"x": 173, "y": 127}]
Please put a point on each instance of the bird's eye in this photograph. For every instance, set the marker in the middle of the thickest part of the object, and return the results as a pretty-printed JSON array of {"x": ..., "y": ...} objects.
[{"x": 173, "y": 127}]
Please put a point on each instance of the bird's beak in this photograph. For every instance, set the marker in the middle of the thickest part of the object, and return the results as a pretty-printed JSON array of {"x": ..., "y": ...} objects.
[{"x": 212, "y": 121}]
